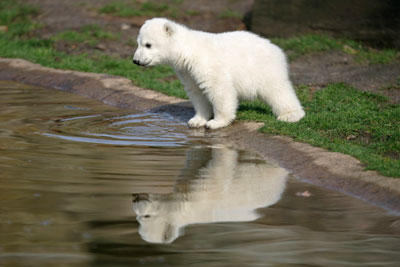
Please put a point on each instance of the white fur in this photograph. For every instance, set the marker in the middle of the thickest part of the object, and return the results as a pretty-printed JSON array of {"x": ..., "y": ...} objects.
[
  {"x": 219, "y": 69},
  {"x": 227, "y": 188}
]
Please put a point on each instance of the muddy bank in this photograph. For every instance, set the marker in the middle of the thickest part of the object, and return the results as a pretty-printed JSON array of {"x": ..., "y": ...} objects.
[{"x": 314, "y": 165}]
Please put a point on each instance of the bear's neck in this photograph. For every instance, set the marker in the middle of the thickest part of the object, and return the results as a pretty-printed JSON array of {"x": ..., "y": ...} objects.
[{"x": 185, "y": 53}]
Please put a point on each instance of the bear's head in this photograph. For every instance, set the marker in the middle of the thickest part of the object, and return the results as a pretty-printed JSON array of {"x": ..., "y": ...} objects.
[
  {"x": 157, "y": 216},
  {"x": 154, "y": 42}
]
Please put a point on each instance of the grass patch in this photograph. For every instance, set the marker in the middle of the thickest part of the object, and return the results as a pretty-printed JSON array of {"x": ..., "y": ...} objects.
[
  {"x": 42, "y": 52},
  {"x": 89, "y": 34},
  {"x": 229, "y": 14},
  {"x": 301, "y": 45},
  {"x": 298, "y": 46},
  {"x": 192, "y": 12},
  {"x": 17, "y": 17},
  {"x": 135, "y": 8},
  {"x": 373, "y": 56},
  {"x": 342, "y": 119},
  {"x": 339, "y": 117}
]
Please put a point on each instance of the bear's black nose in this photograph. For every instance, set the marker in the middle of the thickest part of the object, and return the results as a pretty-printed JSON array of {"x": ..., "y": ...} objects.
[
  {"x": 137, "y": 62},
  {"x": 140, "y": 197}
]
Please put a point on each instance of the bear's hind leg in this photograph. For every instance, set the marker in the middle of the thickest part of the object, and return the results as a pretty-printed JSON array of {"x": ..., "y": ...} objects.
[
  {"x": 283, "y": 101},
  {"x": 293, "y": 116}
]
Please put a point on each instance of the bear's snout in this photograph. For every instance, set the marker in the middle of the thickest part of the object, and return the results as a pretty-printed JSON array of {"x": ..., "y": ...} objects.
[
  {"x": 137, "y": 62},
  {"x": 140, "y": 197}
]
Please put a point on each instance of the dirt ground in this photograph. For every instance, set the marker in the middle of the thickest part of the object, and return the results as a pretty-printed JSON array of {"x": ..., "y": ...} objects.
[{"x": 317, "y": 69}]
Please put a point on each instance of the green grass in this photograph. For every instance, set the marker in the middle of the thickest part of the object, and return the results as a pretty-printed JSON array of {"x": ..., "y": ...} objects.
[
  {"x": 192, "y": 12},
  {"x": 89, "y": 34},
  {"x": 17, "y": 17},
  {"x": 339, "y": 117},
  {"x": 42, "y": 52},
  {"x": 342, "y": 119},
  {"x": 301, "y": 45},
  {"x": 135, "y": 9},
  {"x": 229, "y": 14}
]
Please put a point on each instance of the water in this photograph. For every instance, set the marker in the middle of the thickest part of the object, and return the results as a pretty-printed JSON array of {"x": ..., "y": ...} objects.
[{"x": 84, "y": 184}]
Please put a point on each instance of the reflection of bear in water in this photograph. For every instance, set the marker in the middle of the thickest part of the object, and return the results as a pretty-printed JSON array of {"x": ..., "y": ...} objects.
[{"x": 221, "y": 189}]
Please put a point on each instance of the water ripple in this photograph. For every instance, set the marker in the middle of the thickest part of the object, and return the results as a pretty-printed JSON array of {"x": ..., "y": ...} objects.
[{"x": 145, "y": 129}]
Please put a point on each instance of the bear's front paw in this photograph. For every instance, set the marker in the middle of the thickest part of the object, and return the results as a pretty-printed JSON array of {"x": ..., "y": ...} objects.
[
  {"x": 215, "y": 124},
  {"x": 197, "y": 122}
]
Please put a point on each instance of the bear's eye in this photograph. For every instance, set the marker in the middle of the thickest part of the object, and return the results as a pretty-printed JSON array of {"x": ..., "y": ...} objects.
[{"x": 148, "y": 45}]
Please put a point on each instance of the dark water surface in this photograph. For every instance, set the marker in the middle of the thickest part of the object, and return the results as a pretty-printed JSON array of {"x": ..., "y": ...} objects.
[{"x": 85, "y": 184}]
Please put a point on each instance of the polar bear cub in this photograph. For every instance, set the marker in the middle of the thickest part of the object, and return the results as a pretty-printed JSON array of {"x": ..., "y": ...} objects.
[{"x": 219, "y": 69}]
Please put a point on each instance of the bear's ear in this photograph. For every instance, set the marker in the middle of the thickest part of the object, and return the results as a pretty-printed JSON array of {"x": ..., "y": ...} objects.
[{"x": 169, "y": 28}]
